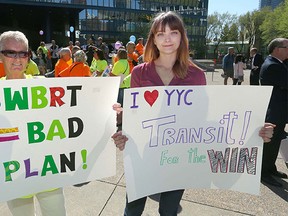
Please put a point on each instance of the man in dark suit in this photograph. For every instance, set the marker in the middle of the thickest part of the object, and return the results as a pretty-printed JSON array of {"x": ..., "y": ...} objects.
[
  {"x": 274, "y": 72},
  {"x": 256, "y": 63}
]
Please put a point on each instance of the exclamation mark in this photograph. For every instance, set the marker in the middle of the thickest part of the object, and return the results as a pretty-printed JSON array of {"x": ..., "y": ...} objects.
[
  {"x": 84, "y": 157},
  {"x": 245, "y": 126}
]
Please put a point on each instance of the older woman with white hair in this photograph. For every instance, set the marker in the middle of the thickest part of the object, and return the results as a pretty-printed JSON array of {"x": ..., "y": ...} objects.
[
  {"x": 15, "y": 56},
  {"x": 64, "y": 61},
  {"x": 79, "y": 68}
]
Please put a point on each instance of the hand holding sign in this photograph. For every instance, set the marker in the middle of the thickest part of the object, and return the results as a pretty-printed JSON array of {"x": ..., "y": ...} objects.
[
  {"x": 173, "y": 131},
  {"x": 119, "y": 140}
]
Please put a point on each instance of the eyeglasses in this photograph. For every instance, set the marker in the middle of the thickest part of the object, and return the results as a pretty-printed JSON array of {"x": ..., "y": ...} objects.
[{"x": 15, "y": 54}]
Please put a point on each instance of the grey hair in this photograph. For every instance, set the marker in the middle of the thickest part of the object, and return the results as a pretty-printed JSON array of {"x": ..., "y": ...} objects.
[
  {"x": 277, "y": 42},
  {"x": 80, "y": 56},
  {"x": 64, "y": 51},
  {"x": 15, "y": 35}
]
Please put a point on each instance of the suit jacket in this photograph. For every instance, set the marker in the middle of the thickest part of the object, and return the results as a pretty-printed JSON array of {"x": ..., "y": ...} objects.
[
  {"x": 258, "y": 61},
  {"x": 275, "y": 73}
]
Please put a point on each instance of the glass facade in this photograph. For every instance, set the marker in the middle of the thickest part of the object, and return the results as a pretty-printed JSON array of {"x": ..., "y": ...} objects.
[
  {"x": 270, "y": 3},
  {"x": 119, "y": 19}
]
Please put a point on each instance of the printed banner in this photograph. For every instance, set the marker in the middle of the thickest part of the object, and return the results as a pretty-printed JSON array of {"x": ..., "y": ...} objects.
[
  {"x": 55, "y": 132},
  {"x": 193, "y": 137}
]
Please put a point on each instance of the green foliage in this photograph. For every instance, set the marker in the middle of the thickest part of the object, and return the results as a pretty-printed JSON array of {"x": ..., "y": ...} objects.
[
  {"x": 269, "y": 28},
  {"x": 233, "y": 34},
  {"x": 219, "y": 28},
  {"x": 275, "y": 23},
  {"x": 258, "y": 27},
  {"x": 225, "y": 33},
  {"x": 219, "y": 25}
]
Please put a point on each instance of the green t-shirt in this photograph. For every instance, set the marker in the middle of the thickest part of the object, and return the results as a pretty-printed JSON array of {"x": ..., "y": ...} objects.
[
  {"x": 121, "y": 68},
  {"x": 32, "y": 68},
  {"x": 98, "y": 65},
  {"x": 126, "y": 82}
]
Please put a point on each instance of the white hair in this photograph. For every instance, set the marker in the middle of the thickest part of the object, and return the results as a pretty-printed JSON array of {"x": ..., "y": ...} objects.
[
  {"x": 15, "y": 35},
  {"x": 64, "y": 51},
  {"x": 80, "y": 56}
]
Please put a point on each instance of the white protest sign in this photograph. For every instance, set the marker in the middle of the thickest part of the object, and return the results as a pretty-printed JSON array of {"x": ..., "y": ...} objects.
[
  {"x": 55, "y": 132},
  {"x": 193, "y": 137}
]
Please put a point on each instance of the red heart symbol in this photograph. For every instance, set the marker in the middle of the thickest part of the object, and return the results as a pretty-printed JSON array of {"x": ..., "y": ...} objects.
[{"x": 151, "y": 97}]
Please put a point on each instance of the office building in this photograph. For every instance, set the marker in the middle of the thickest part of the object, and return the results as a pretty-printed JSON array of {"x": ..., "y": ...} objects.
[
  {"x": 270, "y": 3},
  {"x": 113, "y": 20}
]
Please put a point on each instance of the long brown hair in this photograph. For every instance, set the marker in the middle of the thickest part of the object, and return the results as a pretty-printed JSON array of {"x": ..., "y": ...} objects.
[{"x": 174, "y": 22}]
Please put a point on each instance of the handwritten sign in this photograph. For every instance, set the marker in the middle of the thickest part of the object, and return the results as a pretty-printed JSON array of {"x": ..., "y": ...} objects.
[
  {"x": 55, "y": 132},
  {"x": 193, "y": 137}
]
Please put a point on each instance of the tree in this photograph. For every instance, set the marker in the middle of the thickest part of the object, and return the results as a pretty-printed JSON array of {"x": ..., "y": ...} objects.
[
  {"x": 250, "y": 27},
  {"x": 217, "y": 22},
  {"x": 283, "y": 24},
  {"x": 275, "y": 23},
  {"x": 225, "y": 33},
  {"x": 233, "y": 32},
  {"x": 218, "y": 27}
]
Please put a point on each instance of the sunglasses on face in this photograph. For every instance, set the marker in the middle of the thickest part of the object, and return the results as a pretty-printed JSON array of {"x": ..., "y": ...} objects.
[{"x": 15, "y": 54}]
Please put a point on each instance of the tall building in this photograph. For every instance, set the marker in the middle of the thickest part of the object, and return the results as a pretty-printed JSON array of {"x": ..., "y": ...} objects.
[
  {"x": 113, "y": 20},
  {"x": 270, "y": 3}
]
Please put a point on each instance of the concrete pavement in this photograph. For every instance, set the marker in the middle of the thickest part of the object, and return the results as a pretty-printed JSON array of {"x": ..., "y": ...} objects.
[{"x": 106, "y": 197}]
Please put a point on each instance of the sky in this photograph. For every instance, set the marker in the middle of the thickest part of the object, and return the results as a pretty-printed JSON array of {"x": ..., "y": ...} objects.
[{"x": 238, "y": 7}]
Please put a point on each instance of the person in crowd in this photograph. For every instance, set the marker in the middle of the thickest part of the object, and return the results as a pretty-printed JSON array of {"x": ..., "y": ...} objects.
[
  {"x": 103, "y": 46},
  {"x": 70, "y": 45},
  {"x": 99, "y": 43},
  {"x": 256, "y": 63},
  {"x": 274, "y": 73},
  {"x": 32, "y": 68},
  {"x": 79, "y": 68},
  {"x": 114, "y": 57},
  {"x": 239, "y": 66},
  {"x": 90, "y": 51},
  {"x": 41, "y": 61},
  {"x": 64, "y": 61},
  {"x": 132, "y": 55},
  {"x": 166, "y": 62},
  {"x": 99, "y": 62},
  {"x": 74, "y": 50},
  {"x": 15, "y": 56},
  {"x": 139, "y": 49},
  {"x": 44, "y": 56},
  {"x": 121, "y": 68},
  {"x": 54, "y": 52},
  {"x": 43, "y": 48},
  {"x": 77, "y": 43},
  {"x": 227, "y": 65}
]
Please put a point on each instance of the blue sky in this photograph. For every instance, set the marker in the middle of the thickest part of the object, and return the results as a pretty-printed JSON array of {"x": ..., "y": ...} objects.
[{"x": 238, "y": 7}]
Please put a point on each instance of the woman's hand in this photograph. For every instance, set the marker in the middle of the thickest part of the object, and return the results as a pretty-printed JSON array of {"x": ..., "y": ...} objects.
[
  {"x": 266, "y": 132},
  {"x": 117, "y": 107},
  {"x": 119, "y": 140}
]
